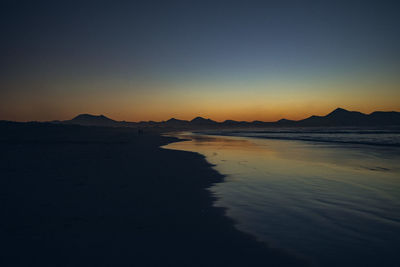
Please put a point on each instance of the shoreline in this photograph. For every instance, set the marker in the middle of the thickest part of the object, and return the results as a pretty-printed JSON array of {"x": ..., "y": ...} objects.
[
  {"x": 307, "y": 207},
  {"x": 84, "y": 196},
  {"x": 302, "y": 138}
]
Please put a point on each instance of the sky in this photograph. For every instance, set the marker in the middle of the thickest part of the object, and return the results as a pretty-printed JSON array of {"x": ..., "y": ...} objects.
[{"x": 153, "y": 60}]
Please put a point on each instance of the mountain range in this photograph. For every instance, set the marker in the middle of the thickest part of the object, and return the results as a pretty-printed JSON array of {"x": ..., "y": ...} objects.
[{"x": 337, "y": 118}]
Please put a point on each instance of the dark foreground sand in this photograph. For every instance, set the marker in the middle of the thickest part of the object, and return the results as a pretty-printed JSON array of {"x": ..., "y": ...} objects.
[{"x": 86, "y": 196}]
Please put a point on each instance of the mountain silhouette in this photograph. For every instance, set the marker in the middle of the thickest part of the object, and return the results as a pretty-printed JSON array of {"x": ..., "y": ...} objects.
[
  {"x": 234, "y": 123},
  {"x": 342, "y": 117},
  {"x": 92, "y": 120},
  {"x": 176, "y": 122},
  {"x": 202, "y": 121},
  {"x": 337, "y": 118},
  {"x": 385, "y": 118}
]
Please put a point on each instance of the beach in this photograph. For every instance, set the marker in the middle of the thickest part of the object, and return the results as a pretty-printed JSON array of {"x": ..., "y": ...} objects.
[
  {"x": 96, "y": 196},
  {"x": 331, "y": 195}
]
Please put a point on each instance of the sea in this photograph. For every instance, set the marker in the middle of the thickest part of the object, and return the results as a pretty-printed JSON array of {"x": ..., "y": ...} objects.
[{"x": 331, "y": 196}]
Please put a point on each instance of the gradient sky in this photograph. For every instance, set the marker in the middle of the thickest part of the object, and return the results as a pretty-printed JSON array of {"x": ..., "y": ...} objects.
[{"x": 153, "y": 60}]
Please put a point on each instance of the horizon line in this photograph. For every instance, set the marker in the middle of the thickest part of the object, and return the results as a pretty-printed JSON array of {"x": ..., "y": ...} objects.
[{"x": 205, "y": 118}]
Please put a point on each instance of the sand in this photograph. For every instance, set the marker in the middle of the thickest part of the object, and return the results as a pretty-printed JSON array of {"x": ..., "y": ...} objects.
[{"x": 91, "y": 196}]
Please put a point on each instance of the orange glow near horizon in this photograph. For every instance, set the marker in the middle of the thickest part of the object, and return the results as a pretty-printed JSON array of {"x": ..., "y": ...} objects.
[
  {"x": 218, "y": 101},
  {"x": 243, "y": 61},
  {"x": 154, "y": 112}
]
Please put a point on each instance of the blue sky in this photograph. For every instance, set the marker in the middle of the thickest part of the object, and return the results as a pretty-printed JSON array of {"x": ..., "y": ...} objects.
[{"x": 142, "y": 60}]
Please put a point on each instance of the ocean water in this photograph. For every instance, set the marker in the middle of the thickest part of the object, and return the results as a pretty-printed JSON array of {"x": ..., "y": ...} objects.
[{"x": 331, "y": 197}]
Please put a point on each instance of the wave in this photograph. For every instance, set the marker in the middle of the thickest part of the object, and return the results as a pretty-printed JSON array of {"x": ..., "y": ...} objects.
[{"x": 359, "y": 137}]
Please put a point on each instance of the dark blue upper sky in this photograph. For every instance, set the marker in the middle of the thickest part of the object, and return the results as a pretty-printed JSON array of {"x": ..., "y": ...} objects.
[{"x": 152, "y": 50}]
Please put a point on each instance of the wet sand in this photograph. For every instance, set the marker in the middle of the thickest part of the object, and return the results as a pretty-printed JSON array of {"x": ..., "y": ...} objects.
[
  {"x": 337, "y": 204},
  {"x": 90, "y": 196}
]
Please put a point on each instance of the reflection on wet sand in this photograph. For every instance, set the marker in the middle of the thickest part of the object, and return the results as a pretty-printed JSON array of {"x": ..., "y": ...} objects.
[{"x": 337, "y": 204}]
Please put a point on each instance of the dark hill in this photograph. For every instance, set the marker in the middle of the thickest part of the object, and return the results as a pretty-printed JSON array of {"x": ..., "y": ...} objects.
[
  {"x": 91, "y": 120},
  {"x": 384, "y": 118},
  {"x": 341, "y": 117},
  {"x": 202, "y": 121},
  {"x": 176, "y": 122},
  {"x": 337, "y": 118}
]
